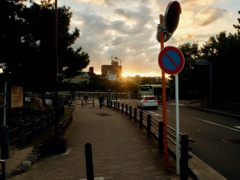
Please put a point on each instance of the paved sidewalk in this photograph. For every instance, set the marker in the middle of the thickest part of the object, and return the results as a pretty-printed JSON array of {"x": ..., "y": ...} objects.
[{"x": 120, "y": 150}]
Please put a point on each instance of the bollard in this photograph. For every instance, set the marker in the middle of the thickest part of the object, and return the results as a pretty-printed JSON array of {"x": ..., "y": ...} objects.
[
  {"x": 5, "y": 142},
  {"x": 89, "y": 161},
  {"x": 122, "y": 108},
  {"x": 130, "y": 112},
  {"x": 135, "y": 115},
  {"x": 184, "y": 158},
  {"x": 93, "y": 102},
  {"x": 126, "y": 110},
  {"x": 141, "y": 120},
  {"x": 82, "y": 103},
  {"x": 3, "y": 162},
  {"x": 160, "y": 136},
  {"x": 118, "y": 106},
  {"x": 149, "y": 126},
  {"x": 21, "y": 132}
]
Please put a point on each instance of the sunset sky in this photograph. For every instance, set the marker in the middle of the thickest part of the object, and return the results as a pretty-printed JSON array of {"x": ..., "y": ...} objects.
[{"x": 127, "y": 29}]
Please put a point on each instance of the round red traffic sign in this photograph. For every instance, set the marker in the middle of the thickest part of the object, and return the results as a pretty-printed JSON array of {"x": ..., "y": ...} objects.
[{"x": 171, "y": 60}]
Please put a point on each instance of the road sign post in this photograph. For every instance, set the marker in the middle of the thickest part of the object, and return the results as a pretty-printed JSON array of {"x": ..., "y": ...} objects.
[
  {"x": 171, "y": 61},
  {"x": 167, "y": 26}
]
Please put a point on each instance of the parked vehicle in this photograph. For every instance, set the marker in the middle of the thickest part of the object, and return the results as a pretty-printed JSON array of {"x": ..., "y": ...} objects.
[{"x": 147, "y": 101}]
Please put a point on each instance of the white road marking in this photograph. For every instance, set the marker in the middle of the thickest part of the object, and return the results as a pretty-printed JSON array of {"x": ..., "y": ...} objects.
[
  {"x": 173, "y": 104},
  {"x": 162, "y": 109},
  {"x": 154, "y": 113},
  {"x": 216, "y": 124},
  {"x": 238, "y": 127}
]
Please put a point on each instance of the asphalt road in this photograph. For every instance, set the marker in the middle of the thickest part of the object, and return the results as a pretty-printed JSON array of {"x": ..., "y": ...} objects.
[{"x": 217, "y": 137}]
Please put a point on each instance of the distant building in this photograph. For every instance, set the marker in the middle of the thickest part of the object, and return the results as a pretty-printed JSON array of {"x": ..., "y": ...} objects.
[
  {"x": 82, "y": 76},
  {"x": 110, "y": 70}
]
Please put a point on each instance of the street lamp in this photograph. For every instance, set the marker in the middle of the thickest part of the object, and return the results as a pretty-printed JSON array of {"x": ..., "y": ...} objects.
[{"x": 204, "y": 62}]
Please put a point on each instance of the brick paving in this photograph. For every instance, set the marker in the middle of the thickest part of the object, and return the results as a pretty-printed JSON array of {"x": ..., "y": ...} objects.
[{"x": 120, "y": 150}]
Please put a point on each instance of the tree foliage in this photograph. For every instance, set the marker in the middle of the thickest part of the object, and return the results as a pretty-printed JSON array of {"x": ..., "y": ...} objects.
[
  {"x": 28, "y": 43},
  {"x": 223, "y": 53}
]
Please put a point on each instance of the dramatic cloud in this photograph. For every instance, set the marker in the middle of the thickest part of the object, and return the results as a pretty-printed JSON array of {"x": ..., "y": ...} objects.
[{"x": 127, "y": 29}]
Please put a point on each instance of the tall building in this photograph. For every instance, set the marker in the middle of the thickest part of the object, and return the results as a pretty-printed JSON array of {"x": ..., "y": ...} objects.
[{"x": 114, "y": 69}]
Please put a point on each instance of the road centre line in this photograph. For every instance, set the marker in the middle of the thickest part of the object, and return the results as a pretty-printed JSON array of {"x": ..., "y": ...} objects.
[{"x": 216, "y": 124}]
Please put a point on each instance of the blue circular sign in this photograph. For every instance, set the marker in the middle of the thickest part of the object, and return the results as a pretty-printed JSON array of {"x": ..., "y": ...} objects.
[{"x": 171, "y": 60}]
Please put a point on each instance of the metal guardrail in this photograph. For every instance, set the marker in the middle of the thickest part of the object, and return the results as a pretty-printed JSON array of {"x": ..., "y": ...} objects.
[
  {"x": 38, "y": 125},
  {"x": 154, "y": 127}
]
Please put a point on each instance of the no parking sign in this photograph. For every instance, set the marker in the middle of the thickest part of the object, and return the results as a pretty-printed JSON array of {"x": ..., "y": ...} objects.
[{"x": 171, "y": 60}]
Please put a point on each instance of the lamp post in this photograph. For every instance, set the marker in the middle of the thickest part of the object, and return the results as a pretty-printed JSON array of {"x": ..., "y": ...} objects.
[
  {"x": 204, "y": 62},
  {"x": 117, "y": 73}
]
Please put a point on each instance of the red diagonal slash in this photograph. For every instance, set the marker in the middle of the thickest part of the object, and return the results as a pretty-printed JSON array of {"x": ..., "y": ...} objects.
[{"x": 172, "y": 61}]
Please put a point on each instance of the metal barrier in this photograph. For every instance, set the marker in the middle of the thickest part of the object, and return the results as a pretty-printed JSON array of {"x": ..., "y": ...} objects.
[
  {"x": 154, "y": 127},
  {"x": 37, "y": 126}
]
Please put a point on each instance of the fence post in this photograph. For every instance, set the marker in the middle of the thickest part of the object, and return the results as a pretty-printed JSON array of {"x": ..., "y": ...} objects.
[
  {"x": 34, "y": 127},
  {"x": 141, "y": 119},
  {"x": 118, "y": 107},
  {"x": 5, "y": 142},
  {"x": 42, "y": 121},
  {"x": 160, "y": 136},
  {"x": 122, "y": 108},
  {"x": 89, "y": 161},
  {"x": 21, "y": 132},
  {"x": 149, "y": 126},
  {"x": 130, "y": 112},
  {"x": 126, "y": 110},
  {"x": 184, "y": 158},
  {"x": 135, "y": 115}
]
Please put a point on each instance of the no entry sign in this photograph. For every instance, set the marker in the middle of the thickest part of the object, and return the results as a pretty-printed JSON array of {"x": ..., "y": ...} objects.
[{"x": 171, "y": 60}]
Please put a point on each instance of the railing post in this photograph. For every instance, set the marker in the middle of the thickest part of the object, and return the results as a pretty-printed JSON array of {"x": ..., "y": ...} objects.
[
  {"x": 89, "y": 161},
  {"x": 130, "y": 112},
  {"x": 126, "y": 110},
  {"x": 149, "y": 126},
  {"x": 135, "y": 115},
  {"x": 160, "y": 136},
  {"x": 5, "y": 142},
  {"x": 141, "y": 119},
  {"x": 21, "y": 132},
  {"x": 122, "y": 108},
  {"x": 184, "y": 158}
]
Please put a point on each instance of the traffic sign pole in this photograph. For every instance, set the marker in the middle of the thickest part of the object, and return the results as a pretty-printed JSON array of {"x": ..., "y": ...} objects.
[
  {"x": 177, "y": 125},
  {"x": 164, "y": 109}
]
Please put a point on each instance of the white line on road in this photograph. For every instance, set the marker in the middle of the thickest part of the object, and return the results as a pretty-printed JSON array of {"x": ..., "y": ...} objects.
[{"x": 216, "y": 124}]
